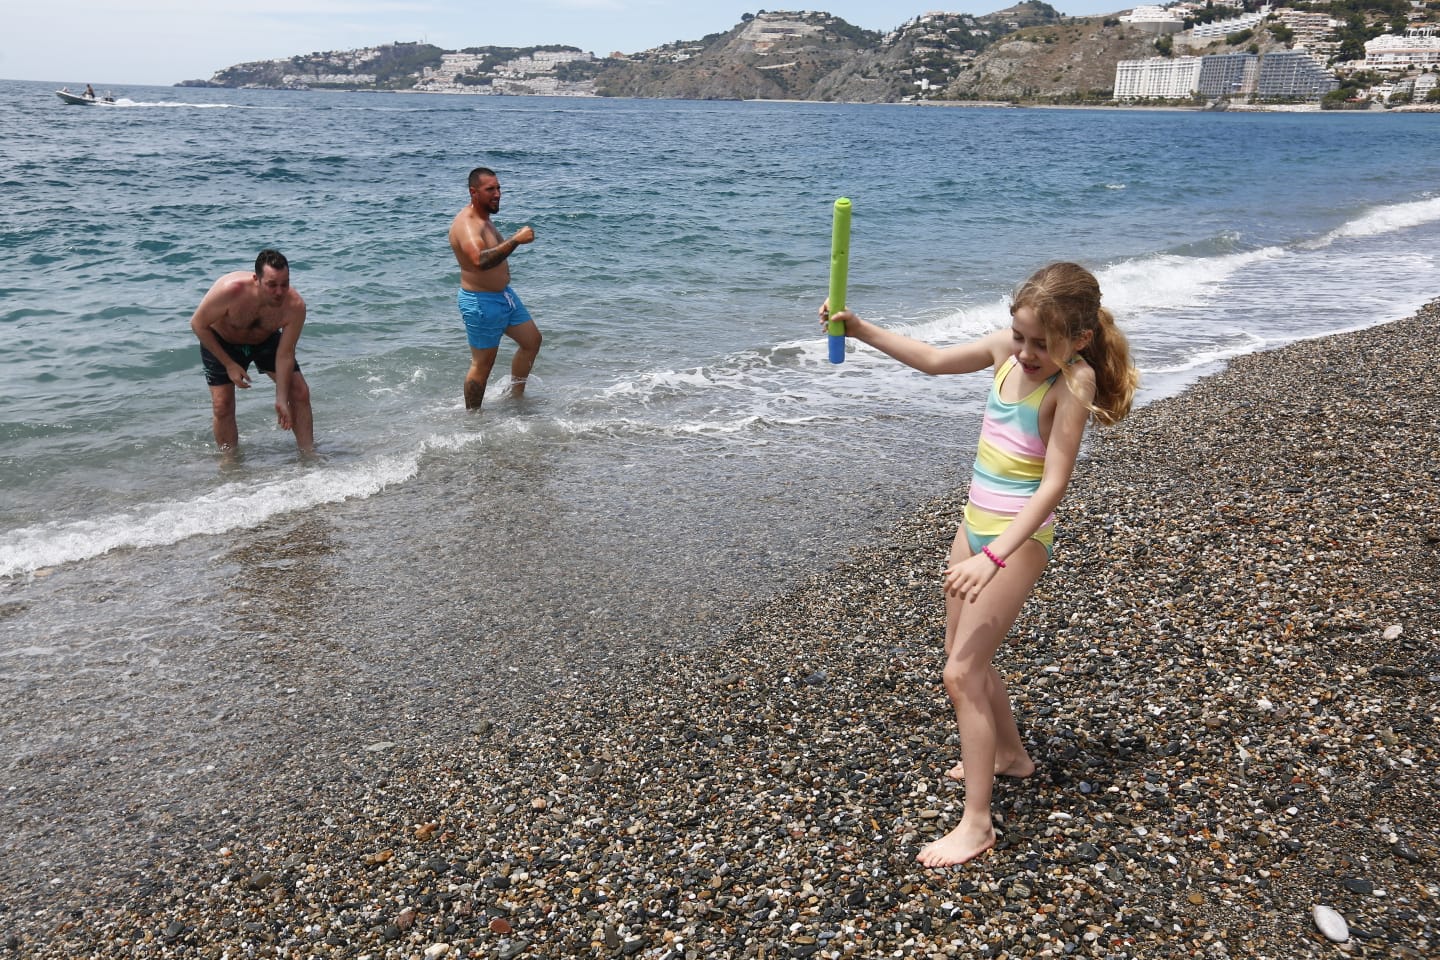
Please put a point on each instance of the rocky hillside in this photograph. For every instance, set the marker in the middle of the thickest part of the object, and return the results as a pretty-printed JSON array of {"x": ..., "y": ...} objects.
[
  {"x": 770, "y": 55},
  {"x": 1029, "y": 52},
  {"x": 817, "y": 56},
  {"x": 1071, "y": 60}
]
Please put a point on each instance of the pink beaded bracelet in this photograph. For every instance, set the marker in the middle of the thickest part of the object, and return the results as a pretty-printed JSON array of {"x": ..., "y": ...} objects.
[{"x": 993, "y": 559}]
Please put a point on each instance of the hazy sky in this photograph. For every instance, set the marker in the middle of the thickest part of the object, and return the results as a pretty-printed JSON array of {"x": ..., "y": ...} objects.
[{"x": 114, "y": 42}]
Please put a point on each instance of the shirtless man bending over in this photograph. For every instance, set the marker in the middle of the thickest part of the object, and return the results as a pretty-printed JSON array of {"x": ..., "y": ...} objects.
[
  {"x": 255, "y": 317},
  {"x": 488, "y": 305}
]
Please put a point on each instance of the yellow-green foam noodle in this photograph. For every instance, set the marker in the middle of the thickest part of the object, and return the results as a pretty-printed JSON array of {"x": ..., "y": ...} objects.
[{"x": 839, "y": 276}]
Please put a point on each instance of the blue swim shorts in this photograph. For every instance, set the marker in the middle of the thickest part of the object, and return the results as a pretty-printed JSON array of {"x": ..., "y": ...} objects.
[{"x": 488, "y": 315}]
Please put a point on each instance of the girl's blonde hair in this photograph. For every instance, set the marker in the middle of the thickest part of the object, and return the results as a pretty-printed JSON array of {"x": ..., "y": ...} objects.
[{"x": 1066, "y": 301}]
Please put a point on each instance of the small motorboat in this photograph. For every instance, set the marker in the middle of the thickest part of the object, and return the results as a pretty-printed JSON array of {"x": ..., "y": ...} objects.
[{"x": 80, "y": 100}]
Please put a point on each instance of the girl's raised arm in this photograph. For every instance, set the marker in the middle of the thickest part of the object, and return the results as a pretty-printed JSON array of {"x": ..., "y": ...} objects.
[{"x": 988, "y": 351}]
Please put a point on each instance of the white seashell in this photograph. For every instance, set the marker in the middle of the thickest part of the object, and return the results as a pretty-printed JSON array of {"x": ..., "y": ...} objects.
[
  {"x": 1331, "y": 924},
  {"x": 1393, "y": 632}
]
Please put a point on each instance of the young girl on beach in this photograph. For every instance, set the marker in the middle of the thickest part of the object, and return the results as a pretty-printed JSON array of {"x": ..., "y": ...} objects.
[{"x": 1061, "y": 362}]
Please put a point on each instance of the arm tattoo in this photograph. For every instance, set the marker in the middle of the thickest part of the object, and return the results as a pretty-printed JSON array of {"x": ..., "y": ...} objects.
[{"x": 496, "y": 255}]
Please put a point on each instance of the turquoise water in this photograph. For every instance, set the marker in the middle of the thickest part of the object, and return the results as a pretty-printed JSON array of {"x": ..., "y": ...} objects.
[{"x": 684, "y": 446}]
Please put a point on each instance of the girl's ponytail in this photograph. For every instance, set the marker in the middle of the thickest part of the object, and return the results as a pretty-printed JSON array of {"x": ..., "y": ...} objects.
[{"x": 1116, "y": 378}]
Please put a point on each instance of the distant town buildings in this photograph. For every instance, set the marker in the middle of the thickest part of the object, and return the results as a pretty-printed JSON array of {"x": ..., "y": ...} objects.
[
  {"x": 1154, "y": 19},
  {"x": 1311, "y": 30},
  {"x": 768, "y": 29},
  {"x": 1294, "y": 74},
  {"x": 1279, "y": 75},
  {"x": 1218, "y": 29},
  {"x": 1419, "y": 48},
  {"x": 941, "y": 20},
  {"x": 530, "y": 75}
]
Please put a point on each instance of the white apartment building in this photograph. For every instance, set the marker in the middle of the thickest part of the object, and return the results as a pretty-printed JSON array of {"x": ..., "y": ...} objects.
[
  {"x": 542, "y": 61},
  {"x": 1283, "y": 74},
  {"x": 1418, "y": 49},
  {"x": 1293, "y": 74},
  {"x": 1157, "y": 78},
  {"x": 1310, "y": 29},
  {"x": 768, "y": 29},
  {"x": 326, "y": 79},
  {"x": 453, "y": 65},
  {"x": 1153, "y": 19},
  {"x": 1228, "y": 75},
  {"x": 1217, "y": 29}
]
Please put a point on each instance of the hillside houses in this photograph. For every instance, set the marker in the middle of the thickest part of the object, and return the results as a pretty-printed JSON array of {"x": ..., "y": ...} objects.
[
  {"x": 532, "y": 74},
  {"x": 1297, "y": 74},
  {"x": 1418, "y": 49},
  {"x": 768, "y": 30}
]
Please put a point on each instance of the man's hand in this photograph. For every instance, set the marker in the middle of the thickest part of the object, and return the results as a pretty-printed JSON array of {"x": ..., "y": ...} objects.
[
  {"x": 239, "y": 376},
  {"x": 524, "y": 235},
  {"x": 282, "y": 414}
]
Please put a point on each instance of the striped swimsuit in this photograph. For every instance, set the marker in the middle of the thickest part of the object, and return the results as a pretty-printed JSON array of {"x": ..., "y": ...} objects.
[{"x": 1008, "y": 465}]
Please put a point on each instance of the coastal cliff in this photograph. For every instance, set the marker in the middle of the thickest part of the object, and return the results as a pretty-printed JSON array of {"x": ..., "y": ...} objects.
[
  {"x": 1028, "y": 53},
  {"x": 770, "y": 55}
]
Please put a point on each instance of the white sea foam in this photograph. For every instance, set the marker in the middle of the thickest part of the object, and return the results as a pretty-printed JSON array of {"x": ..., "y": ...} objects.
[
  {"x": 1158, "y": 297},
  {"x": 1382, "y": 220},
  {"x": 654, "y": 384},
  {"x": 1134, "y": 288},
  {"x": 1243, "y": 344},
  {"x": 243, "y": 505},
  {"x": 229, "y": 507},
  {"x": 751, "y": 423},
  {"x": 174, "y": 104},
  {"x": 964, "y": 324}
]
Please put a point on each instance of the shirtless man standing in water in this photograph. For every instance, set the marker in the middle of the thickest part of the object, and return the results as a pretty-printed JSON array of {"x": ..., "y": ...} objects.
[
  {"x": 255, "y": 317},
  {"x": 487, "y": 303}
]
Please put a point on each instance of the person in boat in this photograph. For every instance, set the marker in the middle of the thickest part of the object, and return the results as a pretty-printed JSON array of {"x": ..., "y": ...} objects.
[
  {"x": 254, "y": 317},
  {"x": 89, "y": 92}
]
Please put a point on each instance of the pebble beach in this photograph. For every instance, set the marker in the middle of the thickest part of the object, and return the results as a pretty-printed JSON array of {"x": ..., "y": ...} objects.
[{"x": 1227, "y": 679}]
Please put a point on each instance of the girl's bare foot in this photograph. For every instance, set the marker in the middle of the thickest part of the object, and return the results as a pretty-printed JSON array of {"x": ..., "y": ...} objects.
[
  {"x": 960, "y": 845},
  {"x": 1018, "y": 767}
]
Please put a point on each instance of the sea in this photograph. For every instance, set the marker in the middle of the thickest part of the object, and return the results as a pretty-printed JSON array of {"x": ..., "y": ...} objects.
[{"x": 684, "y": 450}]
